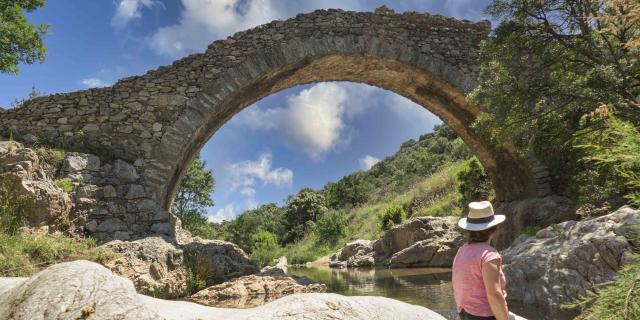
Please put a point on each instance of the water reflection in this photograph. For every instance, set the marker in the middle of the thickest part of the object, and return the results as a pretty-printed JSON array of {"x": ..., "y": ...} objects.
[{"x": 429, "y": 287}]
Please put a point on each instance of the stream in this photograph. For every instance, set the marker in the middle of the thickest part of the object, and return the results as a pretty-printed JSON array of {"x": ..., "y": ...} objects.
[{"x": 428, "y": 287}]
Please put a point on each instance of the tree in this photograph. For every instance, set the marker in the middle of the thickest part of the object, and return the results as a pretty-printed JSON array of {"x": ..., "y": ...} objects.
[
  {"x": 349, "y": 191},
  {"x": 266, "y": 217},
  {"x": 393, "y": 215},
  {"x": 265, "y": 247},
  {"x": 193, "y": 197},
  {"x": 473, "y": 182},
  {"x": 20, "y": 41},
  {"x": 301, "y": 212},
  {"x": 552, "y": 63},
  {"x": 331, "y": 227}
]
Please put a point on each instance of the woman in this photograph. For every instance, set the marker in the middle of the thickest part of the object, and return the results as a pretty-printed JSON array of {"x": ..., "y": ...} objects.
[{"x": 478, "y": 281}]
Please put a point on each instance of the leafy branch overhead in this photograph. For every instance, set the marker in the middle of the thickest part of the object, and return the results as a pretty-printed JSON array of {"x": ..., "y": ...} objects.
[{"x": 20, "y": 41}]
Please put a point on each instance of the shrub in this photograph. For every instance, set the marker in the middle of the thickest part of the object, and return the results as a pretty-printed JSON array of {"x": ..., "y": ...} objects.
[
  {"x": 265, "y": 248},
  {"x": 52, "y": 157},
  {"x": 331, "y": 227},
  {"x": 392, "y": 216},
  {"x": 65, "y": 184},
  {"x": 473, "y": 182}
]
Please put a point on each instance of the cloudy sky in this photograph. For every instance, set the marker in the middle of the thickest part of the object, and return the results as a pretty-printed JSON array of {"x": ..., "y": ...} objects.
[{"x": 304, "y": 136}]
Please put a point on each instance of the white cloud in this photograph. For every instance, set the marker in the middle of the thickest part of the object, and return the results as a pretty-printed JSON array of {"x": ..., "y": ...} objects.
[
  {"x": 412, "y": 114},
  {"x": 314, "y": 119},
  {"x": 203, "y": 21},
  {"x": 250, "y": 198},
  {"x": 128, "y": 10},
  {"x": 368, "y": 161},
  {"x": 227, "y": 212},
  {"x": 94, "y": 82},
  {"x": 245, "y": 174}
]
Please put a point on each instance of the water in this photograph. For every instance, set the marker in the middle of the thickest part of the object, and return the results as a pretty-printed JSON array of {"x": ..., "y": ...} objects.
[{"x": 428, "y": 287}]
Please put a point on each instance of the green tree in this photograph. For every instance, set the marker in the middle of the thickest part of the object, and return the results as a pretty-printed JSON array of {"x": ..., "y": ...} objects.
[
  {"x": 266, "y": 217},
  {"x": 349, "y": 191},
  {"x": 550, "y": 64},
  {"x": 331, "y": 227},
  {"x": 265, "y": 247},
  {"x": 301, "y": 212},
  {"x": 393, "y": 215},
  {"x": 20, "y": 41},
  {"x": 193, "y": 197},
  {"x": 473, "y": 182}
]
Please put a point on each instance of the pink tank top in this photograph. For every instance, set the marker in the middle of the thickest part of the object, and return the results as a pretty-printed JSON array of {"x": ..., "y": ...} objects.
[{"x": 468, "y": 287}]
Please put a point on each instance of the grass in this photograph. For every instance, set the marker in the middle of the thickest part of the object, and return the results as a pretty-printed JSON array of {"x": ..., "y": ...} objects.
[
  {"x": 22, "y": 255},
  {"x": 65, "y": 184},
  {"x": 52, "y": 157}
]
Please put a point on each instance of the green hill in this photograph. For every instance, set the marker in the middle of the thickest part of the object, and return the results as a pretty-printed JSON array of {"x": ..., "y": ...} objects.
[{"x": 418, "y": 180}]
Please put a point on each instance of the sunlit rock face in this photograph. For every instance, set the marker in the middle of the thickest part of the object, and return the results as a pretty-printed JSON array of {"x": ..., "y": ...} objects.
[
  {"x": 146, "y": 129},
  {"x": 565, "y": 261},
  {"x": 86, "y": 290}
]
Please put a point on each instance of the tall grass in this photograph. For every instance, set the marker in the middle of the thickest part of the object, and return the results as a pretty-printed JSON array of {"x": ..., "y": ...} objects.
[{"x": 23, "y": 254}]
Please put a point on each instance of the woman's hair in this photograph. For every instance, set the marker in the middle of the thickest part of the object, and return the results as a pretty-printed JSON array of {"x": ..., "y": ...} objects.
[{"x": 481, "y": 236}]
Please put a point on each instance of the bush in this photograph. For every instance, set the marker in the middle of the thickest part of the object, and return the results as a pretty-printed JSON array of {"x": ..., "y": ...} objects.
[
  {"x": 52, "y": 157},
  {"x": 331, "y": 227},
  {"x": 473, "y": 182},
  {"x": 265, "y": 248},
  {"x": 65, "y": 184},
  {"x": 392, "y": 216}
]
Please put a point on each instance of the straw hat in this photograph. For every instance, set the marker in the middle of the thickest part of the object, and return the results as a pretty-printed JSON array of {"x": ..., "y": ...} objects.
[{"x": 480, "y": 217}]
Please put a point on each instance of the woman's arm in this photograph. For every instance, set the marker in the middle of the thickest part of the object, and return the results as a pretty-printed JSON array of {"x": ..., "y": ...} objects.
[{"x": 491, "y": 279}]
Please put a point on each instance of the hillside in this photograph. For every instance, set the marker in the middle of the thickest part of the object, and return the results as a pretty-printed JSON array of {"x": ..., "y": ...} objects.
[{"x": 418, "y": 180}]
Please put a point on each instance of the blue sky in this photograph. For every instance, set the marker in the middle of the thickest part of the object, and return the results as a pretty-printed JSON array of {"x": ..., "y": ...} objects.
[{"x": 267, "y": 151}]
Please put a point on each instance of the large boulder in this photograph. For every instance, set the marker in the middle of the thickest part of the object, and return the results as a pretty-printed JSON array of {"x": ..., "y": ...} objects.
[
  {"x": 74, "y": 290},
  {"x": 530, "y": 213},
  {"x": 41, "y": 200},
  {"x": 419, "y": 242},
  {"x": 437, "y": 238},
  {"x": 86, "y": 290},
  {"x": 156, "y": 267},
  {"x": 218, "y": 261},
  {"x": 565, "y": 261},
  {"x": 254, "y": 290}
]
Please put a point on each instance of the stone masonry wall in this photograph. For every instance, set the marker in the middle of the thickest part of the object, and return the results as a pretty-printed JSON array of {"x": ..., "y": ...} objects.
[{"x": 157, "y": 122}]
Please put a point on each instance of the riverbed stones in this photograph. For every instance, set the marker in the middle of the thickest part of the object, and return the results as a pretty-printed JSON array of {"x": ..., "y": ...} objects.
[
  {"x": 565, "y": 261},
  {"x": 86, "y": 290},
  {"x": 254, "y": 290}
]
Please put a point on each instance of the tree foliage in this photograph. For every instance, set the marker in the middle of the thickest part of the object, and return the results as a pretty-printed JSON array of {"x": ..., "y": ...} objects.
[
  {"x": 550, "y": 64},
  {"x": 392, "y": 216},
  {"x": 265, "y": 247},
  {"x": 350, "y": 191},
  {"x": 301, "y": 213},
  {"x": 193, "y": 197},
  {"x": 473, "y": 182},
  {"x": 331, "y": 227},
  {"x": 267, "y": 217},
  {"x": 20, "y": 41}
]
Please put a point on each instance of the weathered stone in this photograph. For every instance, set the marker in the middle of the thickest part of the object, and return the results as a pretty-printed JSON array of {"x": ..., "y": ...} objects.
[
  {"x": 218, "y": 260},
  {"x": 155, "y": 266},
  {"x": 124, "y": 171},
  {"x": 563, "y": 262},
  {"x": 109, "y": 192},
  {"x": 254, "y": 290},
  {"x": 82, "y": 289},
  {"x": 74, "y": 162},
  {"x": 136, "y": 191}
]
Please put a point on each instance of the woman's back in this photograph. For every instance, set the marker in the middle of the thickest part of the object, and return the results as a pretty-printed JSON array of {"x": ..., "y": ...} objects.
[{"x": 468, "y": 285}]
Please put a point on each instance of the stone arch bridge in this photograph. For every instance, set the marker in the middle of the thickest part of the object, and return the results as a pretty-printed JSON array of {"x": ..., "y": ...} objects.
[{"x": 146, "y": 129}]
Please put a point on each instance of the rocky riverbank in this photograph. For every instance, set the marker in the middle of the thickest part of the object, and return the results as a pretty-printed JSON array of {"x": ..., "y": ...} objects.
[{"x": 85, "y": 290}]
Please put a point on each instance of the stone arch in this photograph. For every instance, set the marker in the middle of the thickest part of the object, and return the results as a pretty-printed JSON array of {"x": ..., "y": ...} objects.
[{"x": 160, "y": 120}]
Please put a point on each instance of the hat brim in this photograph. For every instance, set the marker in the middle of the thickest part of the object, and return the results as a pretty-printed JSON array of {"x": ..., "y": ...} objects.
[{"x": 497, "y": 219}]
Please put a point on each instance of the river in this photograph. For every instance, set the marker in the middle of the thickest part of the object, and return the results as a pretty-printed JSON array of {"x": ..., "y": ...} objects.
[{"x": 428, "y": 287}]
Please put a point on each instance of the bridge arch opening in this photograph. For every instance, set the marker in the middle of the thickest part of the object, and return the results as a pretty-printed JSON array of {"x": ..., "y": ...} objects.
[{"x": 425, "y": 89}]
